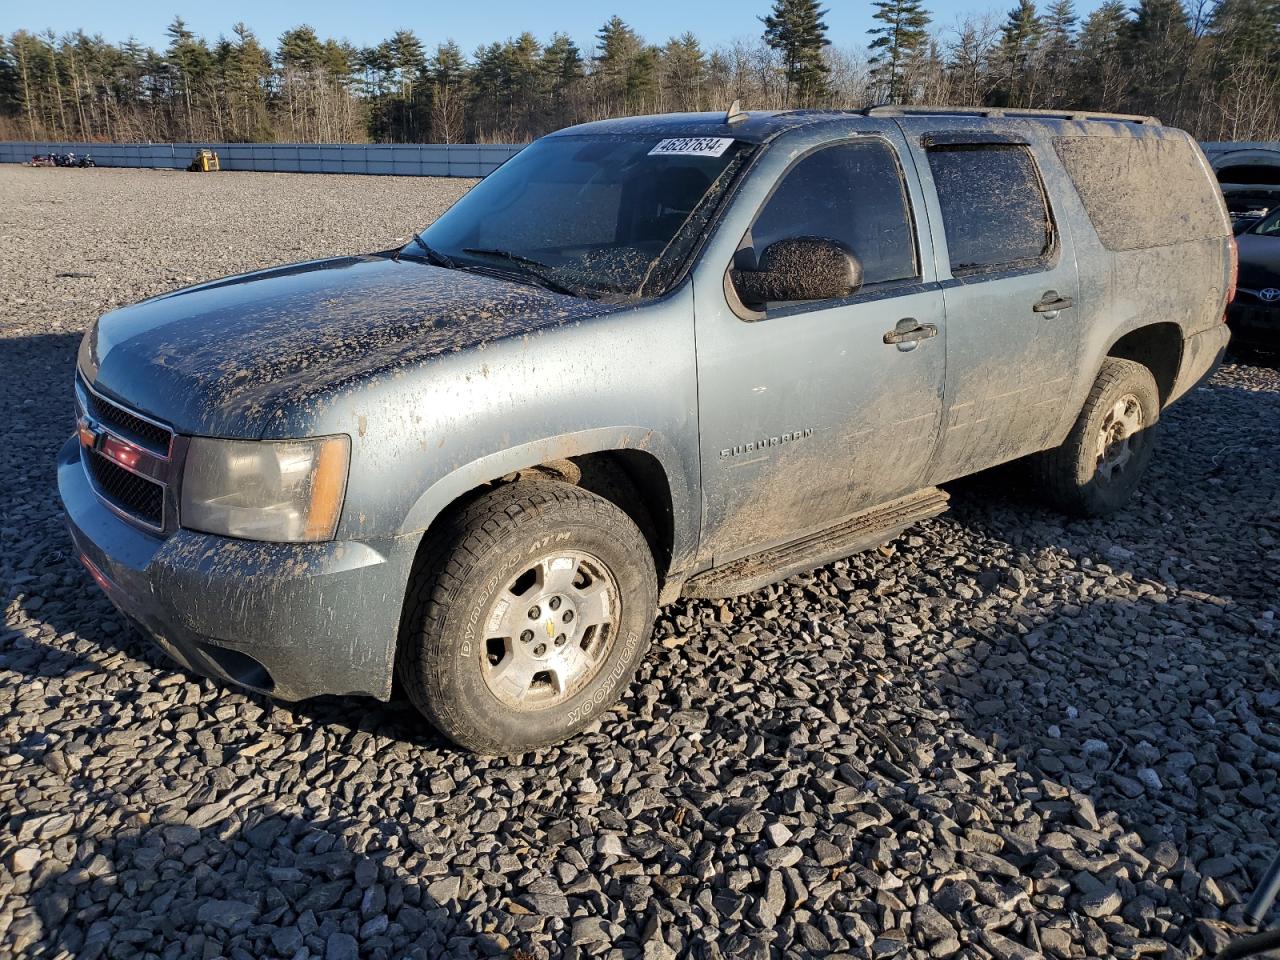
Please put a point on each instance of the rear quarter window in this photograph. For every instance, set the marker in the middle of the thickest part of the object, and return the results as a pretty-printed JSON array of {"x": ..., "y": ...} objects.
[{"x": 1143, "y": 192}]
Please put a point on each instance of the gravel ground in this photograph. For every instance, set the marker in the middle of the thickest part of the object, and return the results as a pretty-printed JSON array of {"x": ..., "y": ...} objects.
[{"x": 1002, "y": 735}]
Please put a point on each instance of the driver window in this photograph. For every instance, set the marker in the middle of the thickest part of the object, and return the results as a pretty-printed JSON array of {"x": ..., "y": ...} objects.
[{"x": 851, "y": 193}]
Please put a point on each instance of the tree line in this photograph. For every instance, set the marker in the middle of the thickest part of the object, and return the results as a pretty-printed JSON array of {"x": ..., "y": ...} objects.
[{"x": 1210, "y": 66}]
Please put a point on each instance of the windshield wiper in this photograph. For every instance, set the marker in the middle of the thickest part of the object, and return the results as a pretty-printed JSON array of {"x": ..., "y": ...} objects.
[
  {"x": 433, "y": 256},
  {"x": 541, "y": 272}
]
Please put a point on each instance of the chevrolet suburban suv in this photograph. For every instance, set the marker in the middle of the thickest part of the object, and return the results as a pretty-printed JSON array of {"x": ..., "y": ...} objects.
[{"x": 682, "y": 355}]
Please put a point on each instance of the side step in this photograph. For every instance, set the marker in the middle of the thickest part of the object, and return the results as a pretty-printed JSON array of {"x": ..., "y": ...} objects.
[{"x": 860, "y": 532}]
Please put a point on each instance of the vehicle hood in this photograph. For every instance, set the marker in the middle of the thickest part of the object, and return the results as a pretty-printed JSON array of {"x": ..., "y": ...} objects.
[
  {"x": 230, "y": 357},
  {"x": 1259, "y": 261}
]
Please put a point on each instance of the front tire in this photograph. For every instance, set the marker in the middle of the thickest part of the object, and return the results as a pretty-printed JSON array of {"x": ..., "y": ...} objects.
[
  {"x": 1097, "y": 468},
  {"x": 528, "y": 617}
]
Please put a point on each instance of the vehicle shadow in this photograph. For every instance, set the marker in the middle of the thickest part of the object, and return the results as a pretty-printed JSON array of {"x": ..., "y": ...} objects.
[
  {"x": 186, "y": 878},
  {"x": 1141, "y": 698}
]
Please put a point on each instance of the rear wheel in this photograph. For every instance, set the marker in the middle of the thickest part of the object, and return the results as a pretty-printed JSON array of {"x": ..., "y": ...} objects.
[
  {"x": 1097, "y": 468},
  {"x": 529, "y": 617}
]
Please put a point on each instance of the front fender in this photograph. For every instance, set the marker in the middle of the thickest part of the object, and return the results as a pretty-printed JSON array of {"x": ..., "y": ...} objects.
[{"x": 684, "y": 507}]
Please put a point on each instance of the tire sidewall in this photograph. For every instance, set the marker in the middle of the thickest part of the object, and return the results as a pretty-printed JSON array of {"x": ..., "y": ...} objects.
[
  {"x": 1109, "y": 495},
  {"x": 471, "y": 713}
]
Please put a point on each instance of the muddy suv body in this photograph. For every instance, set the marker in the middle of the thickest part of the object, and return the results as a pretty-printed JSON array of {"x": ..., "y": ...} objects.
[{"x": 753, "y": 344}]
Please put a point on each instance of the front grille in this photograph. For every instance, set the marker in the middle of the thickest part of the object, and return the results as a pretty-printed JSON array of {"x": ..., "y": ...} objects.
[
  {"x": 129, "y": 425},
  {"x": 135, "y": 495}
]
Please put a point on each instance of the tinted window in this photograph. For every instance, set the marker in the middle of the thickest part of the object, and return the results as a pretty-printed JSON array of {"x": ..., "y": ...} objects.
[
  {"x": 1270, "y": 227},
  {"x": 1251, "y": 173},
  {"x": 851, "y": 193},
  {"x": 1144, "y": 192},
  {"x": 993, "y": 207}
]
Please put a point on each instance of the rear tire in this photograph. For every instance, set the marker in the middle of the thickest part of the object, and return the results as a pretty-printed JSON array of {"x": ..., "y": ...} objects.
[
  {"x": 528, "y": 617},
  {"x": 1097, "y": 468}
]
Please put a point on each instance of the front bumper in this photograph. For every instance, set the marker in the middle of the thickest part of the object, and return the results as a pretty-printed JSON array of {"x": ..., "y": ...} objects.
[{"x": 291, "y": 620}]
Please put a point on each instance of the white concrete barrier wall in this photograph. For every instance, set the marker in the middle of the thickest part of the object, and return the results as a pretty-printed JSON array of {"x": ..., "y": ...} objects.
[{"x": 405, "y": 159}]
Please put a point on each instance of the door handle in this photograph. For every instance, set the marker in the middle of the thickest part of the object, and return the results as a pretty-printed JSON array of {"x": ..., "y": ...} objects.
[
  {"x": 1052, "y": 303},
  {"x": 910, "y": 331}
]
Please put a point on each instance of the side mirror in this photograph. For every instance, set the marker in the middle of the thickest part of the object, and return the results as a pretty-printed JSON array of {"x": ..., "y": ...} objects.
[{"x": 801, "y": 268}]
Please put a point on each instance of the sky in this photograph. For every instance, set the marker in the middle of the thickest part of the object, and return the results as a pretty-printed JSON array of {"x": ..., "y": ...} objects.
[{"x": 366, "y": 22}]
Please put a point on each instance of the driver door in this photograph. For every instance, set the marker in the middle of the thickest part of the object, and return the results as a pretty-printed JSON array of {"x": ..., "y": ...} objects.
[{"x": 807, "y": 415}]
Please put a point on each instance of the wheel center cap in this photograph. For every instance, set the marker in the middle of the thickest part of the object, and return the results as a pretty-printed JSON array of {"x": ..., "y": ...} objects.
[{"x": 554, "y": 627}]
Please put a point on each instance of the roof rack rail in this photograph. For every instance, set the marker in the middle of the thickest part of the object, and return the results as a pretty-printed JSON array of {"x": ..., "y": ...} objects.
[{"x": 892, "y": 110}]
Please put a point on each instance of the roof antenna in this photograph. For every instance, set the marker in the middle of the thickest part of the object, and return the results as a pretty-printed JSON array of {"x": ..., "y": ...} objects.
[{"x": 735, "y": 113}]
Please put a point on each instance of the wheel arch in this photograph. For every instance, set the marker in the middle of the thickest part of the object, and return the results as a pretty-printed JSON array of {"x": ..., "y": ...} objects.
[
  {"x": 1158, "y": 347},
  {"x": 636, "y": 468}
]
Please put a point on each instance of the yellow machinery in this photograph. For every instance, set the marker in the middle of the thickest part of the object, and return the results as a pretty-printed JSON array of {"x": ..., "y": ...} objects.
[{"x": 206, "y": 161}]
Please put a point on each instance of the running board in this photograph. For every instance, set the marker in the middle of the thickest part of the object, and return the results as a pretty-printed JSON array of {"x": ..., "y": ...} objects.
[{"x": 860, "y": 532}]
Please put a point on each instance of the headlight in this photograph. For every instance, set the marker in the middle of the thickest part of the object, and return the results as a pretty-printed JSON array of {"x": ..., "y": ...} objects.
[{"x": 282, "y": 490}]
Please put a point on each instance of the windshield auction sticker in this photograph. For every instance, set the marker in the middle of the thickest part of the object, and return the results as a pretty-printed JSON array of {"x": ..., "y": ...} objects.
[{"x": 691, "y": 147}]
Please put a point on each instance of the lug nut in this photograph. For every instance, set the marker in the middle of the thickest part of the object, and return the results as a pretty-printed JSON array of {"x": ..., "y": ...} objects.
[
  {"x": 568, "y": 616},
  {"x": 526, "y": 636},
  {"x": 534, "y": 612},
  {"x": 540, "y": 649},
  {"x": 554, "y": 603},
  {"x": 560, "y": 640}
]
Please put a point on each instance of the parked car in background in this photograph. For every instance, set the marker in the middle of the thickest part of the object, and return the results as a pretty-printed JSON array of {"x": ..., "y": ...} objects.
[
  {"x": 1254, "y": 314},
  {"x": 1249, "y": 174},
  {"x": 1244, "y": 219},
  {"x": 683, "y": 355}
]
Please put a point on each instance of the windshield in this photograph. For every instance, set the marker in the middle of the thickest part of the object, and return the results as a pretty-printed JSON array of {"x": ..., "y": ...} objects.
[
  {"x": 592, "y": 215},
  {"x": 1269, "y": 226}
]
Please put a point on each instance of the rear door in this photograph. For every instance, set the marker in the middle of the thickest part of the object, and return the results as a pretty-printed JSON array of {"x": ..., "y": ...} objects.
[
  {"x": 1008, "y": 274},
  {"x": 806, "y": 414}
]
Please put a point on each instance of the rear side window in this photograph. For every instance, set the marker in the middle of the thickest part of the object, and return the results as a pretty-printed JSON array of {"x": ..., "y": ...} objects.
[
  {"x": 1143, "y": 192},
  {"x": 993, "y": 206},
  {"x": 851, "y": 193}
]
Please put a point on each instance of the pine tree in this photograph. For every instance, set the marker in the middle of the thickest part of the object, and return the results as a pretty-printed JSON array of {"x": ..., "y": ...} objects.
[
  {"x": 618, "y": 47},
  {"x": 24, "y": 48},
  {"x": 1059, "y": 51},
  {"x": 903, "y": 36},
  {"x": 796, "y": 29},
  {"x": 562, "y": 63},
  {"x": 1098, "y": 80},
  {"x": 522, "y": 65},
  {"x": 1019, "y": 42},
  {"x": 190, "y": 60},
  {"x": 560, "y": 70},
  {"x": 300, "y": 48},
  {"x": 684, "y": 67},
  {"x": 248, "y": 72},
  {"x": 447, "y": 71},
  {"x": 1156, "y": 49},
  {"x": 1246, "y": 31},
  {"x": 10, "y": 83},
  {"x": 407, "y": 59}
]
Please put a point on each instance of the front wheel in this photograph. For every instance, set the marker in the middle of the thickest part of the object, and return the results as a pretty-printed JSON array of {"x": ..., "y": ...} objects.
[
  {"x": 1097, "y": 468},
  {"x": 528, "y": 618}
]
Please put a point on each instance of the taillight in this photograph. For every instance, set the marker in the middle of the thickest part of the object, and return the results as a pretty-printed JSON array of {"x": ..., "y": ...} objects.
[{"x": 1235, "y": 270}]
